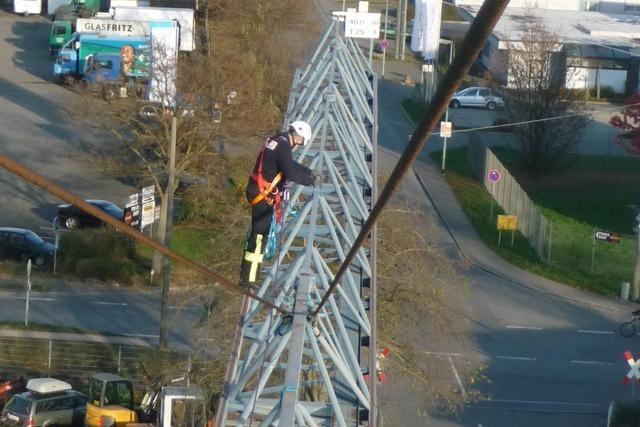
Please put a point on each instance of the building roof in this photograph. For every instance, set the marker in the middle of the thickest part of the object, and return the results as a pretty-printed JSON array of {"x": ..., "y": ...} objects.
[{"x": 572, "y": 27}]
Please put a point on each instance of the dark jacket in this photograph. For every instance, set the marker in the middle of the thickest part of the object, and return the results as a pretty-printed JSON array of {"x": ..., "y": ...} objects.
[{"x": 277, "y": 157}]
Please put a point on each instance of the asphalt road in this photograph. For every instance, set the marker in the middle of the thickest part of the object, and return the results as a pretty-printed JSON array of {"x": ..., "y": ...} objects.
[
  {"x": 114, "y": 311},
  {"x": 38, "y": 130}
]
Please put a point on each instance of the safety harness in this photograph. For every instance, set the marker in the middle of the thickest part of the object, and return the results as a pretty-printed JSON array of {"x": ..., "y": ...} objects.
[{"x": 268, "y": 191}]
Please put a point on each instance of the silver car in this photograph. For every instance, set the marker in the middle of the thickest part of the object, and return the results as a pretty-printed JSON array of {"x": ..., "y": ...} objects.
[{"x": 477, "y": 97}]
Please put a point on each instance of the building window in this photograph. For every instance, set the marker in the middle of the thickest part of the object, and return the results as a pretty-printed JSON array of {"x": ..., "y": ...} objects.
[{"x": 632, "y": 7}]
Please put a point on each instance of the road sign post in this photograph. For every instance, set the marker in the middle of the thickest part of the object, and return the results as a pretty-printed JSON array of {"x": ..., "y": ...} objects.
[
  {"x": 603, "y": 236},
  {"x": 493, "y": 176},
  {"x": 507, "y": 222},
  {"x": 445, "y": 132},
  {"x": 26, "y": 308},
  {"x": 56, "y": 229},
  {"x": 633, "y": 375}
]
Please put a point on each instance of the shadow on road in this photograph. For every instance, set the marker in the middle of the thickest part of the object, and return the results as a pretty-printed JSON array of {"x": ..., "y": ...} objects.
[{"x": 30, "y": 39}]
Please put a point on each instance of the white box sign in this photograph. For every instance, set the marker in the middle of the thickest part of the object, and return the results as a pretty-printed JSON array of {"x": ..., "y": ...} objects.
[{"x": 362, "y": 25}]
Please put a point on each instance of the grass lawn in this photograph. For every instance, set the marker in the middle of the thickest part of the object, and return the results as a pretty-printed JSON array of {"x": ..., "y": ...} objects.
[
  {"x": 189, "y": 241},
  {"x": 592, "y": 192}
]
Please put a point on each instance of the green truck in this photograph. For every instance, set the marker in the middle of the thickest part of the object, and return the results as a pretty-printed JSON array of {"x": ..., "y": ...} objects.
[{"x": 64, "y": 21}]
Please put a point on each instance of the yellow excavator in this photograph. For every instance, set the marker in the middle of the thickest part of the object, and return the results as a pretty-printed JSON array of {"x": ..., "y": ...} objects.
[
  {"x": 111, "y": 405},
  {"x": 110, "y": 400}
]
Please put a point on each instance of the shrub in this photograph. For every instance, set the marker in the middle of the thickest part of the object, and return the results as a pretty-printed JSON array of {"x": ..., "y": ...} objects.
[
  {"x": 106, "y": 268},
  {"x": 100, "y": 254}
]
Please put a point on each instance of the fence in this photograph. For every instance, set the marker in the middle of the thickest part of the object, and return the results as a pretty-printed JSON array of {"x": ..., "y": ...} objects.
[
  {"x": 513, "y": 199},
  {"x": 76, "y": 361}
]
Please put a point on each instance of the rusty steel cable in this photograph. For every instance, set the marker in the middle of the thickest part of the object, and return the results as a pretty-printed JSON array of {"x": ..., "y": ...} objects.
[
  {"x": 473, "y": 42},
  {"x": 60, "y": 192}
]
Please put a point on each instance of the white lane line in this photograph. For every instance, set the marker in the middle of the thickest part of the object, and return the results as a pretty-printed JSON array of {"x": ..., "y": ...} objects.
[
  {"x": 590, "y": 362},
  {"x": 587, "y": 331},
  {"x": 455, "y": 373},
  {"x": 540, "y": 402},
  {"x": 531, "y": 328},
  {"x": 141, "y": 335},
  {"x": 37, "y": 298},
  {"x": 436, "y": 353},
  {"x": 121, "y": 304},
  {"x": 530, "y": 359}
]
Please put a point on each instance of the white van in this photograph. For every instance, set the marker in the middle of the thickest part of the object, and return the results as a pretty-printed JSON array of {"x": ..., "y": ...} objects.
[{"x": 27, "y": 7}]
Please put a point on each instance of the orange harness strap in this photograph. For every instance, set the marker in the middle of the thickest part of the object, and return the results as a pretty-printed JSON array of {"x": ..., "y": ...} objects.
[{"x": 265, "y": 187}]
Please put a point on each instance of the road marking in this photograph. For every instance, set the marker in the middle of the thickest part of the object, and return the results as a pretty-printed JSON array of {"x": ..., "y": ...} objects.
[
  {"x": 590, "y": 362},
  {"x": 455, "y": 373},
  {"x": 121, "y": 304},
  {"x": 37, "y": 298},
  {"x": 530, "y": 359},
  {"x": 540, "y": 402},
  {"x": 436, "y": 353},
  {"x": 586, "y": 331},
  {"x": 141, "y": 336},
  {"x": 532, "y": 328}
]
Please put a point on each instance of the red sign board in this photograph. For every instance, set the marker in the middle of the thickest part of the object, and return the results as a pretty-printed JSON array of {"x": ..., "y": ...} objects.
[{"x": 607, "y": 236}]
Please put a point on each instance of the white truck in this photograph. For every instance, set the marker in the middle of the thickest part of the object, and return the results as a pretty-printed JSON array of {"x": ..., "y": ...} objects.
[{"x": 184, "y": 17}]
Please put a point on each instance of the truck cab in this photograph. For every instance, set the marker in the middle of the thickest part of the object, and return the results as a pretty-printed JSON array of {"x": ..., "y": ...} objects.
[
  {"x": 102, "y": 68},
  {"x": 61, "y": 32},
  {"x": 110, "y": 397},
  {"x": 67, "y": 60}
]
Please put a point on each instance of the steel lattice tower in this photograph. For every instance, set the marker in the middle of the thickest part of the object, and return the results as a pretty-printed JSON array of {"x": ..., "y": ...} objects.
[{"x": 298, "y": 369}]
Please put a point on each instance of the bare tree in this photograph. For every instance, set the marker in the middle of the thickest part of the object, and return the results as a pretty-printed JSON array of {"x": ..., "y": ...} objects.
[{"x": 536, "y": 82}]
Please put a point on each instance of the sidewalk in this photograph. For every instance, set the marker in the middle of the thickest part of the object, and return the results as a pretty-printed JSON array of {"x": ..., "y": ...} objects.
[{"x": 150, "y": 342}]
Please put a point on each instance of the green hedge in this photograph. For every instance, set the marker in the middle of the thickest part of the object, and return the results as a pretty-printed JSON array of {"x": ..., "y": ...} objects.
[{"x": 99, "y": 254}]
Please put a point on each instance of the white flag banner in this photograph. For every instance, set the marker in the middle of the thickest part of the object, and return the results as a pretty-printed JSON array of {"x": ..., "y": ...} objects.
[
  {"x": 426, "y": 28},
  {"x": 418, "y": 27}
]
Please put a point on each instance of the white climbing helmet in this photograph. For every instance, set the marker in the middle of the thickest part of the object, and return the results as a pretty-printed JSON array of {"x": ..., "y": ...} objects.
[{"x": 303, "y": 129}]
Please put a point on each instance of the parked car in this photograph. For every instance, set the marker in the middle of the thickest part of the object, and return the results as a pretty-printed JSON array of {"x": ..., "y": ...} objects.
[
  {"x": 72, "y": 217},
  {"x": 10, "y": 384},
  {"x": 20, "y": 244},
  {"x": 477, "y": 97},
  {"x": 48, "y": 402}
]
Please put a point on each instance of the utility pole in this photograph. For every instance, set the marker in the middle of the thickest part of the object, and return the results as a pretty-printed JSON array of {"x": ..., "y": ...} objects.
[
  {"x": 398, "y": 28},
  {"x": 26, "y": 308},
  {"x": 403, "y": 41},
  {"x": 166, "y": 268}
]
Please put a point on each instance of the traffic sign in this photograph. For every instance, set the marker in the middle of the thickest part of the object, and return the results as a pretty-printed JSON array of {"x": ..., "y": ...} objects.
[
  {"x": 507, "y": 222},
  {"x": 384, "y": 44},
  {"x": 148, "y": 194},
  {"x": 445, "y": 129},
  {"x": 634, "y": 372},
  {"x": 362, "y": 25},
  {"x": 607, "y": 236},
  {"x": 494, "y": 175}
]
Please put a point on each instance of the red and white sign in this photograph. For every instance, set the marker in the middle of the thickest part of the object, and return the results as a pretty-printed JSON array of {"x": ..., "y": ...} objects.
[{"x": 634, "y": 372}]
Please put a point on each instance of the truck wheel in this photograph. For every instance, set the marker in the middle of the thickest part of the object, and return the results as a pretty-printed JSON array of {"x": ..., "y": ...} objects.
[{"x": 69, "y": 80}]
